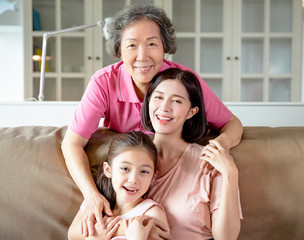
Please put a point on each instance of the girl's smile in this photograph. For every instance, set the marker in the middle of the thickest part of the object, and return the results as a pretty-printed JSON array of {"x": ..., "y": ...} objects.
[{"x": 131, "y": 173}]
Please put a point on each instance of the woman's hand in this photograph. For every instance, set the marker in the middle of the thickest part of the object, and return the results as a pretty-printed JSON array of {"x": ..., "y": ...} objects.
[
  {"x": 207, "y": 167},
  {"x": 92, "y": 209},
  {"x": 138, "y": 228},
  {"x": 159, "y": 231},
  {"x": 215, "y": 155},
  {"x": 106, "y": 233}
]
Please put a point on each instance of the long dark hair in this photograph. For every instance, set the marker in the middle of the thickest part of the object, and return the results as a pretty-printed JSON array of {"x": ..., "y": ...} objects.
[
  {"x": 195, "y": 127},
  {"x": 121, "y": 143}
]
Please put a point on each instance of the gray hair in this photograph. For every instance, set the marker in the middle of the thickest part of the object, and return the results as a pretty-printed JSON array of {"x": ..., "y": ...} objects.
[{"x": 117, "y": 24}]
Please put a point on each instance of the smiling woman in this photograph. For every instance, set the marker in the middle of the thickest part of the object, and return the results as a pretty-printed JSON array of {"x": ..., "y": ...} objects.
[
  {"x": 198, "y": 203},
  {"x": 142, "y": 51}
]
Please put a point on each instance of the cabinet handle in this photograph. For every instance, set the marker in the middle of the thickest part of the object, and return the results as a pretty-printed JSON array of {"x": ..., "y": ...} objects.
[
  {"x": 89, "y": 57},
  {"x": 228, "y": 58},
  {"x": 236, "y": 58},
  {"x": 97, "y": 58}
]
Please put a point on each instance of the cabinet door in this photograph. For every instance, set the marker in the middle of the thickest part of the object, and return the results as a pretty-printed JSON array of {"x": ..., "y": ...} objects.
[
  {"x": 269, "y": 34},
  {"x": 202, "y": 30},
  {"x": 65, "y": 65},
  {"x": 246, "y": 50}
]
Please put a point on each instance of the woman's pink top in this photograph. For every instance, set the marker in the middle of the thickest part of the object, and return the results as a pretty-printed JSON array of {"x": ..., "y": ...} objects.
[
  {"x": 110, "y": 95},
  {"x": 190, "y": 198}
]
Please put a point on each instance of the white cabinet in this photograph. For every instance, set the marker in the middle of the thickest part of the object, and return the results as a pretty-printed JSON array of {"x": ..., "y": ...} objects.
[
  {"x": 66, "y": 71},
  {"x": 246, "y": 50},
  {"x": 72, "y": 57}
]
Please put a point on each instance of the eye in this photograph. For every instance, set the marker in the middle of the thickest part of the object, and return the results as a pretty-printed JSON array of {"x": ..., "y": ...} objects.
[
  {"x": 125, "y": 169},
  {"x": 145, "y": 172},
  {"x": 132, "y": 45},
  {"x": 157, "y": 96},
  {"x": 152, "y": 44},
  {"x": 177, "y": 101}
]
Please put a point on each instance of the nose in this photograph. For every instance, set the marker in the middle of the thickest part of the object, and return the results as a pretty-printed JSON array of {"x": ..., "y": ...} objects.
[
  {"x": 142, "y": 53},
  {"x": 165, "y": 105},
  {"x": 132, "y": 177}
]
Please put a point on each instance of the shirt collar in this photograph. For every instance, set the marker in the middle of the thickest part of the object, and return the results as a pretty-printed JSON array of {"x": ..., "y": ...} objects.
[{"x": 126, "y": 88}]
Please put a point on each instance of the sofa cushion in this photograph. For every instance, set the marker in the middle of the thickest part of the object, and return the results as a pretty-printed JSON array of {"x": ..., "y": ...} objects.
[
  {"x": 271, "y": 179},
  {"x": 38, "y": 197}
]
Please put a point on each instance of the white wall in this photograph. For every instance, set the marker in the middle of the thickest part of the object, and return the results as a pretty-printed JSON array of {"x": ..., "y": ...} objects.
[
  {"x": 11, "y": 64},
  {"x": 302, "y": 55},
  {"x": 11, "y": 53}
]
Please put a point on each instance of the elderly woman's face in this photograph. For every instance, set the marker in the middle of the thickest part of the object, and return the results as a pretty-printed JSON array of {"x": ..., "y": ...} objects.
[{"x": 142, "y": 51}]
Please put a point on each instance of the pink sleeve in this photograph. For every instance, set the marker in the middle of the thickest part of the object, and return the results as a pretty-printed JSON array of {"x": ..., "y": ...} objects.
[
  {"x": 90, "y": 110},
  {"x": 217, "y": 113},
  {"x": 215, "y": 197}
]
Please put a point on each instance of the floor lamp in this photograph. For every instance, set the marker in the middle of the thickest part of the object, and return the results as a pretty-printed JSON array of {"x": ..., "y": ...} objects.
[{"x": 46, "y": 35}]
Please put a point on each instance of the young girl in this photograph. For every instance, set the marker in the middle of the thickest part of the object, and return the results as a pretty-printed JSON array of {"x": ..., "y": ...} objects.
[
  {"x": 123, "y": 179},
  {"x": 198, "y": 206}
]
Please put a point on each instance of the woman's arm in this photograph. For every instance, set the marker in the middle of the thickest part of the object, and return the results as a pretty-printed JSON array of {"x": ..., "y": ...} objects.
[
  {"x": 231, "y": 133},
  {"x": 78, "y": 165},
  {"x": 227, "y": 223}
]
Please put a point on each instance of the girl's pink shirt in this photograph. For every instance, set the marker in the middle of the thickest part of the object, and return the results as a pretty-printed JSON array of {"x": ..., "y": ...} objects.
[{"x": 110, "y": 94}]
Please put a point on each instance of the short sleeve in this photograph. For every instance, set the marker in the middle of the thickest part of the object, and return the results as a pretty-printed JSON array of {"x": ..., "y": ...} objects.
[{"x": 91, "y": 109}]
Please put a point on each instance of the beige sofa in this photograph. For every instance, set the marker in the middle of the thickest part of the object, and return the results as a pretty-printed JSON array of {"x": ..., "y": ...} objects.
[{"x": 39, "y": 199}]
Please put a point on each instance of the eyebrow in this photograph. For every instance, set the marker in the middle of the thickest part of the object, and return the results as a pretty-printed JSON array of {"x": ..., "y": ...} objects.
[
  {"x": 144, "y": 165},
  {"x": 134, "y": 39},
  {"x": 174, "y": 95}
]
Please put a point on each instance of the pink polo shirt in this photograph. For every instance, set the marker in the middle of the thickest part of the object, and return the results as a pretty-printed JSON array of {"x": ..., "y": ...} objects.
[{"x": 111, "y": 95}]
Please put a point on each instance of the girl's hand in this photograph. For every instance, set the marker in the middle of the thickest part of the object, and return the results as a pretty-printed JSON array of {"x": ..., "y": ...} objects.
[
  {"x": 111, "y": 225},
  {"x": 219, "y": 158},
  {"x": 92, "y": 209},
  {"x": 138, "y": 228}
]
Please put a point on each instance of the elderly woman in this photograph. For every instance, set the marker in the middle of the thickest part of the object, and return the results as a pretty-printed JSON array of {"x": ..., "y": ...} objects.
[{"x": 140, "y": 35}]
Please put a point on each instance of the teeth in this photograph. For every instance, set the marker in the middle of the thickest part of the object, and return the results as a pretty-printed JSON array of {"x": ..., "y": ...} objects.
[
  {"x": 143, "y": 68},
  {"x": 130, "y": 190},
  {"x": 163, "y": 118}
]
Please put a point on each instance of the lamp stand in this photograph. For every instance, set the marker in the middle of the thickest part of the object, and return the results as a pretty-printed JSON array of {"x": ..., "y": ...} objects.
[{"x": 46, "y": 35}]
